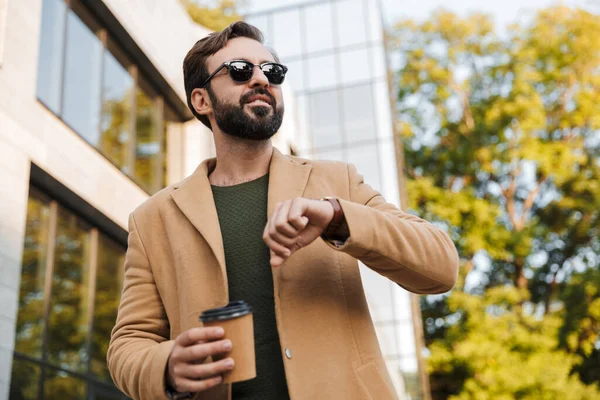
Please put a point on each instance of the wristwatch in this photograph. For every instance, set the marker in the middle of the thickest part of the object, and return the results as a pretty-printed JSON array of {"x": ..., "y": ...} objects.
[{"x": 337, "y": 220}]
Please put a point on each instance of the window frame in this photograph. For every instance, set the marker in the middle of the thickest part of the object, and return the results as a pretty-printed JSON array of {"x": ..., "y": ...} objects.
[
  {"x": 110, "y": 44},
  {"x": 45, "y": 188}
]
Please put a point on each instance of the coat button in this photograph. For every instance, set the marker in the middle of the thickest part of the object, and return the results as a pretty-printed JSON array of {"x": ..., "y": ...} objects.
[{"x": 288, "y": 353}]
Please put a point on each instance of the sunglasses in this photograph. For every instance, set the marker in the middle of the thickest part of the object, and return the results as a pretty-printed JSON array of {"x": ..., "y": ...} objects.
[{"x": 242, "y": 71}]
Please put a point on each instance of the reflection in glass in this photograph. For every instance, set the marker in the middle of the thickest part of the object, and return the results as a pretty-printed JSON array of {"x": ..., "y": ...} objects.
[
  {"x": 117, "y": 89},
  {"x": 365, "y": 158},
  {"x": 322, "y": 38},
  {"x": 286, "y": 33},
  {"x": 354, "y": 66},
  {"x": 147, "y": 142},
  {"x": 49, "y": 80},
  {"x": 351, "y": 22},
  {"x": 68, "y": 322},
  {"x": 30, "y": 320},
  {"x": 109, "y": 275},
  {"x": 358, "y": 115},
  {"x": 321, "y": 72},
  {"x": 82, "y": 79},
  {"x": 25, "y": 380},
  {"x": 325, "y": 119},
  {"x": 60, "y": 385}
]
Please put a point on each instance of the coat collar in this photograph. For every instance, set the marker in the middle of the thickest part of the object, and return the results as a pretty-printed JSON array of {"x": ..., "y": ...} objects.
[{"x": 287, "y": 179}]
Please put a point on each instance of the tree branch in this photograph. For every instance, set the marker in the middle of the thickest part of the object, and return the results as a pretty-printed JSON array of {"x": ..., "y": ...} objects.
[{"x": 466, "y": 105}]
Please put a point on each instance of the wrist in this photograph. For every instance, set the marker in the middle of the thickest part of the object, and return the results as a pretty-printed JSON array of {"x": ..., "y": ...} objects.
[{"x": 337, "y": 228}]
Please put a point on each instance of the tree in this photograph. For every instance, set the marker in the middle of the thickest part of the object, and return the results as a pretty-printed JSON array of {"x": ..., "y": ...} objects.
[
  {"x": 214, "y": 15},
  {"x": 502, "y": 146}
]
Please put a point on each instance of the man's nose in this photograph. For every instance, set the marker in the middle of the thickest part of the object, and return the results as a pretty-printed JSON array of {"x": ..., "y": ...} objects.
[{"x": 258, "y": 78}]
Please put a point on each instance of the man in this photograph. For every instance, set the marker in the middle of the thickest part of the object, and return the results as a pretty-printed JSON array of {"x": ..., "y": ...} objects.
[{"x": 256, "y": 225}]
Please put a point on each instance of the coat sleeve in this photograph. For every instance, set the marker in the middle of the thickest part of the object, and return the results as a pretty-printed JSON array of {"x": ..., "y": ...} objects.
[
  {"x": 139, "y": 345},
  {"x": 404, "y": 248}
]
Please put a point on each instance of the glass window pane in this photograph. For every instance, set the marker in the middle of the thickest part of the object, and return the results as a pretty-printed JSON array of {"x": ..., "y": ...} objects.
[
  {"x": 25, "y": 380},
  {"x": 60, "y": 385},
  {"x": 386, "y": 334},
  {"x": 147, "y": 144},
  {"x": 351, "y": 22},
  {"x": 286, "y": 33},
  {"x": 366, "y": 160},
  {"x": 354, "y": 66},
  {"x": 325, "y": 119},
  {"x": 109, "y": 281},
  {"x": 359, "y": 123},
  {"x": 117, "y": 92},
  {"x": 82, "y": 80},
  {"x": 68, "y": 323},
  {"x": 49, "y": 80},
  {"x": 379, "y": 296},
  {"x": 335, "y": 155},
  {"x": 322, "y": 38},
  {"x": 406, "y": 337},
  {"x": 30, "y": 320},
  {"x": 389, "y": 177},
  {"x": 295, "y": 74},
  {"x": 383, "y": 109},
  {"x": 379, "y": 62},
  {"x": 322, "y": 72},
  {"x": 262, "y": 23},
  {"x": 375, "y": 28}
]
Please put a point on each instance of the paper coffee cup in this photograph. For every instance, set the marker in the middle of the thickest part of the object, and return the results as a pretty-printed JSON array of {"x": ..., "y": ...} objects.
[{"x": 236, "y": 320}]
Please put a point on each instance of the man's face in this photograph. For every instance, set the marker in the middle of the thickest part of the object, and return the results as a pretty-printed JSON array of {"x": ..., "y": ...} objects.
[{"x": 249, "y": 110}]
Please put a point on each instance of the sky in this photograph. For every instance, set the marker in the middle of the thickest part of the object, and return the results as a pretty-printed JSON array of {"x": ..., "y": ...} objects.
[{"x": 503, "y": 12}]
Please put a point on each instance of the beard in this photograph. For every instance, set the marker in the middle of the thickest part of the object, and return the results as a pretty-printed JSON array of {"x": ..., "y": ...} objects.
[{"x": 233, "y": 120}]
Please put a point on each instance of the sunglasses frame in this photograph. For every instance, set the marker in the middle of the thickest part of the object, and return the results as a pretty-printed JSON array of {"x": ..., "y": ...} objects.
[{"x": 227, "y": 64}]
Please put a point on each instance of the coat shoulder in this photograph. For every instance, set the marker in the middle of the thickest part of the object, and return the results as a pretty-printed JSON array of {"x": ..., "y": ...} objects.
[{"x": 156, "y": 202}]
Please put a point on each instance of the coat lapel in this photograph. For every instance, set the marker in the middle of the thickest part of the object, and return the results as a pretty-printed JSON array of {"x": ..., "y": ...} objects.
[{"x": 194, "y": 198}]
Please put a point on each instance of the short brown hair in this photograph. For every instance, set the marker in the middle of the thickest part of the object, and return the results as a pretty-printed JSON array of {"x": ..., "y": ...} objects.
[{"x": 194, "y": 64}]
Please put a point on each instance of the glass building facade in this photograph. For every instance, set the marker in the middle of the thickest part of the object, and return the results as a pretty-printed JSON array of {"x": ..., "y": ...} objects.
[{"x": 335, "y": 51}]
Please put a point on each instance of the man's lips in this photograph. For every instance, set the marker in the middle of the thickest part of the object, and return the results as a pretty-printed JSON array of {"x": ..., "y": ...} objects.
[{"x": 259, "y": 99}]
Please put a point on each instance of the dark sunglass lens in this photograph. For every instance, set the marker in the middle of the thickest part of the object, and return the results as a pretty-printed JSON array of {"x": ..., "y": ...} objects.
[
  {"x": 241, "y": 71},
  {"x": 274, "y": 73}
]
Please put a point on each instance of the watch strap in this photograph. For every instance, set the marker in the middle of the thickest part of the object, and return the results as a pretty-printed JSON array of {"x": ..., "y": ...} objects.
[{"x": 336, "y": 221}]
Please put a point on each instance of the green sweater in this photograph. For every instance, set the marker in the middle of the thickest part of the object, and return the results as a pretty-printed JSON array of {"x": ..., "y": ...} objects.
[{"x": 242, "y": 211}]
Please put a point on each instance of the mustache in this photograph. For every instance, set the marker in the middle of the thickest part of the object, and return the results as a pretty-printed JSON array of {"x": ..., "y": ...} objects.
[{"x": 259, "y": 91}]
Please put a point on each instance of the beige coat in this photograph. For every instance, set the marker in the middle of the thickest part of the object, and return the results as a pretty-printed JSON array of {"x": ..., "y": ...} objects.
[{"x": 175, "y": 269}]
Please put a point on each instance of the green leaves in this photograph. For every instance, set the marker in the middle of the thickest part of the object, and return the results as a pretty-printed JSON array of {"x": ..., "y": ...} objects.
[
  {"x": 502, "y": 146},
  {"x": 215, "y": 15}
]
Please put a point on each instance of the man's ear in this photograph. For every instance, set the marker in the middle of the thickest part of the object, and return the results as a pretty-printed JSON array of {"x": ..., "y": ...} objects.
[{"x": 201, "y": 101}]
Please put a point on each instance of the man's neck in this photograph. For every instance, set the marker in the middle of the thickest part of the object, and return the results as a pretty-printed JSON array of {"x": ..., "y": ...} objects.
[{"x": 239, "y": 160}]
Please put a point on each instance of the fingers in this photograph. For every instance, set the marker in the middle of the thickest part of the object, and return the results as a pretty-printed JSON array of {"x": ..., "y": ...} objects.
[
  {"x": 276, "y": 260},
  {"x": 184, "y": 385},
  {"x": 195, "y": 335},
  {"x": 199, "y": 352},
  {"x": 279, "y": 223},
  {"x": 296, "y": 216},
  {"x": 205, "y": 371}
]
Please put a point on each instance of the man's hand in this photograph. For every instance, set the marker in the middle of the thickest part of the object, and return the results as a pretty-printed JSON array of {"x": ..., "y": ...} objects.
[
  {"x": 186, "y": 370},
  {"x": 294, "y": 224}
]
